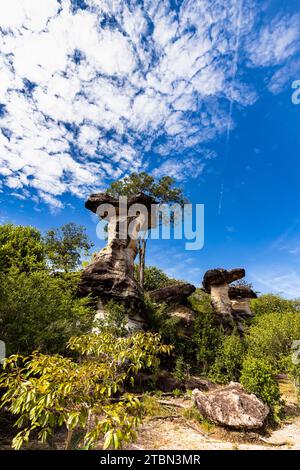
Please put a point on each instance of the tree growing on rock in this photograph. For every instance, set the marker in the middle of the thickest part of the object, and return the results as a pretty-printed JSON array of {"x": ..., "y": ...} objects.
[{"x": 162, "y": 190}]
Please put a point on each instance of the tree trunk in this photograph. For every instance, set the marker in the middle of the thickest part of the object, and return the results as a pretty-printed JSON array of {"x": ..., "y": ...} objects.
[{"x": 142, "y": 258}]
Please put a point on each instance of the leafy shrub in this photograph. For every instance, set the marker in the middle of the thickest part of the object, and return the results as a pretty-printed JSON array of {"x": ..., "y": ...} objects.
[
  {"x": 47, "y": 392},
  {"x": 271, "y": 338},
  {"x": 271, "y": 303},
  {"x": 229, "y": 359},
  {"x": 41, "y": 311},
  {"x": 154, "y": 278},
  {"x": 258, "y": 377},
  {"x": 207, "y": 335},
  {"x": 21, "y": 247}
]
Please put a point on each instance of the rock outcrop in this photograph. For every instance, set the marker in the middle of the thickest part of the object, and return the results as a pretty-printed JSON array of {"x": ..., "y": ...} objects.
[
  {"x": 230, "y": 303},
  {"x": 232, "y": 406},
  {"x": 240, "y": 297},
  {"x": 174, "y": 293},
  {"x": 110, "y": 275}
]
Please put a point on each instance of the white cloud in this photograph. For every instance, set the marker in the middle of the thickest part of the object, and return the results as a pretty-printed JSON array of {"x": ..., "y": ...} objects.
[
  {"x": 85, "y": 93},
  {"x": 277, "y": 41}
]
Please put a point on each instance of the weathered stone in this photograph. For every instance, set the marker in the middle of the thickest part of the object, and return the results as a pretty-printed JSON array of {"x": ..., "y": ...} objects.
[
  {"x": 240, "y": 300},
  {"x": 219, "y": 276},
  {"x": 230, "y": 303},
  {"x": 232, "y": 406},
  {"x": 185, "y": 317},
  {"x": 174, "y": 293},
  {"x": 110, "y": 274}
]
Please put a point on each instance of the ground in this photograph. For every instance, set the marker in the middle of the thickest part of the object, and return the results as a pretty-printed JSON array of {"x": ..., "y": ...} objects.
[
  {"x": 172, "y": 424},
  {"x": 179, "y": 433}
]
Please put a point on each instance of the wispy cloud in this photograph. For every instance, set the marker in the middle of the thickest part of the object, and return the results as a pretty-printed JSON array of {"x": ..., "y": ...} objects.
[{"x": 91, "y": 90}]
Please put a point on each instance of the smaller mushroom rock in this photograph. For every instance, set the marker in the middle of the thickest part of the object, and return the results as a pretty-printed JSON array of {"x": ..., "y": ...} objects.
[
  {"x": 240, "y": 300},
  {"x": 232, "y": 406},
  {"x": 216, "y": 282},
  {"x": 174, "y": 293}
]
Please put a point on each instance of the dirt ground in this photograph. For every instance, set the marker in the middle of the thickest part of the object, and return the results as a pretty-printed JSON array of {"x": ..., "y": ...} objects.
[
  {"x": 169, "y": 427},
  {"x": 178, "y": 433}
]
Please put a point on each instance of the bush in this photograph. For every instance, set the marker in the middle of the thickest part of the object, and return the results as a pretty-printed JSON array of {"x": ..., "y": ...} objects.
[
  {"x": 258, "y": 377},
  {"x": 22, "y": 248},
  {"x": 271, "y": 303},
  {"x": 41, "y": 311},
  {"x": 154, "y": 278},
  {"x": 47, "y": 392},
  {"x": 271, "y": 338},
  {"x": 229, "y": 359},
  {"x": 207, "y": 335}
]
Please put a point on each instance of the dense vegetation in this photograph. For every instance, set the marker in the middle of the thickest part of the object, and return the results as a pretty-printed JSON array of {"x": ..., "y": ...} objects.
[{"x": 59, "y": 374}]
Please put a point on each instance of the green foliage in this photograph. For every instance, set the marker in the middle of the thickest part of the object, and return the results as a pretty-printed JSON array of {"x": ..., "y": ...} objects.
[
  {"x": 47, "y": 392},
  {"x": 152, "y": 407},
  {"x": 258, "y": 377},
  {"x": 207, "y": 335},
  {"x": 41, "y": 311},
  {"x": 229, "y": 359},
  {"x": 22, "y": 248},
  {"x": 270, "y": 303},
  {"x": 114, "y": 320},
  {"x": 163, "y": 190},
  {"x": 65, "y": 245},
  {"x": 154, "y": 278},
  {"x": 271, "y": 338}
]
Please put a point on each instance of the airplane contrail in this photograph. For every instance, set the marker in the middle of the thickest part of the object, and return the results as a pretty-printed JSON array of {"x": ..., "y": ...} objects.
[{"x": 233, "y": 76}]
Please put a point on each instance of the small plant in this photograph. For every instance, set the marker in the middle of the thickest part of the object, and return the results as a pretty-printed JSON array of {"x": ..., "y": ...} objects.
[
  {"x": 181, "y": 371},
  {"x": 193, "y": 414},
  {"x": 151, "y": 407}
]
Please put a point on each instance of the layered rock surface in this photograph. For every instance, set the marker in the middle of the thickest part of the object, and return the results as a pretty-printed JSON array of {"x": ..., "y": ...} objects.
[
  {"x": 110, "y": 274},
  {"x": 230, "y": 303},
  {"x": 232, "y": 406}
]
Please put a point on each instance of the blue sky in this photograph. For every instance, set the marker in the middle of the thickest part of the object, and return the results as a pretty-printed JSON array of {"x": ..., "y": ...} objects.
[{"x": 199, "y": 90}]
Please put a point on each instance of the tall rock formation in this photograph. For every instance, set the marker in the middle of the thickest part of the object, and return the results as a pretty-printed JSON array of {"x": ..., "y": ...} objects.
[{"x": 110, "y": 275}]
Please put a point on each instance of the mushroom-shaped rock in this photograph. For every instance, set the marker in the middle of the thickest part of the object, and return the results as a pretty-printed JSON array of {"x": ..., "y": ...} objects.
[
  {"x": 215, "y": 282},
  {"x": 174, "y": 293},
  {"x": 110, "y": 275},
  {"x": 231, "y": 406},
  {"x": 240, "y": 300},
  {"x": 219, "y": 276}
]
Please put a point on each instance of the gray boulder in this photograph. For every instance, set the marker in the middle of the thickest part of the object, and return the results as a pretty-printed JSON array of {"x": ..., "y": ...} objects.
[{"x": 232, "y": 406}]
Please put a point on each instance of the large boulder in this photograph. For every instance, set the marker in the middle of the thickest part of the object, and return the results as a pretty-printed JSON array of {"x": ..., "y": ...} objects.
[
  {"x": 232, "y": 406},
  {"x": 174, "y": 293}
]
